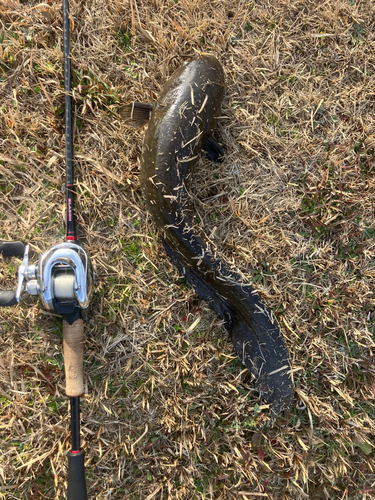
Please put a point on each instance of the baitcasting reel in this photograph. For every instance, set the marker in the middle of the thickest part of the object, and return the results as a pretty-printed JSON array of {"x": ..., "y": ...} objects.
[{"x": 62, "y": 277}]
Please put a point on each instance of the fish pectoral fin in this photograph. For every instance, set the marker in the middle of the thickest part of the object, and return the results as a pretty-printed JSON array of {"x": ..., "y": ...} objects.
[
  {"x": 136, "y": 114},
  {"x": 213, "y": 150}
]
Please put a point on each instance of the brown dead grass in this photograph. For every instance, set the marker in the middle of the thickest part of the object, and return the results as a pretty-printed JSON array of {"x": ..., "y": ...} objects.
[{"x": 169, "y": 411}]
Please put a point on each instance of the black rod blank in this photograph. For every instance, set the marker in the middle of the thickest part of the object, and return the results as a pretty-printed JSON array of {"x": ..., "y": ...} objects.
[
  {"x": 74, "y": 413},
  {"x": 69, "y": 183}
]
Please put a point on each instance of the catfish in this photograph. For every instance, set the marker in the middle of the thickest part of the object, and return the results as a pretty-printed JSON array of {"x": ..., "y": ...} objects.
[{"x": 180, "y": 125}]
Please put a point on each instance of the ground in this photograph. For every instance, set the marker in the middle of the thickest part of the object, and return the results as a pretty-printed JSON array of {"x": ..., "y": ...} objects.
[{"x": 169, "y": 411}]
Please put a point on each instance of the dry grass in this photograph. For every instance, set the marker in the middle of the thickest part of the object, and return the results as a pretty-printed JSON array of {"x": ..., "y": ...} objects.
[{"x": 169, "y": 412}]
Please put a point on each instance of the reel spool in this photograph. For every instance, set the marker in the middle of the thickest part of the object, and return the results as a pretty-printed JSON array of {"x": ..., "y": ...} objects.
[
  {"x": 62, "y": 278},
  {"x": 63, "y": 285}
]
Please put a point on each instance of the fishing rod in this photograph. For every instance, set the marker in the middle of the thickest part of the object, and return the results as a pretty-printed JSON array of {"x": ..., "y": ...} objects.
[{"x": 63, "y": 280}]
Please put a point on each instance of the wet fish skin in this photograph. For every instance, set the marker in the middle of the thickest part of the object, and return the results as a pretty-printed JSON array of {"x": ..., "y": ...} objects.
[{"x": 181, "y": 122}]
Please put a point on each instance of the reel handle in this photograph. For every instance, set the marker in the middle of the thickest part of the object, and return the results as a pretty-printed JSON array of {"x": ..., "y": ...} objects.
[{"x": 10, "y": 249}]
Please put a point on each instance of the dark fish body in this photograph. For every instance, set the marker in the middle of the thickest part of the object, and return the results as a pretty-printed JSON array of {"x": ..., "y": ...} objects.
[{"x": 180, "y": 126}]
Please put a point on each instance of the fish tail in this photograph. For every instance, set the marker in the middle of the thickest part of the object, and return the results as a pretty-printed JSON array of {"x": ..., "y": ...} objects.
[{"x": 255, "y": 334}]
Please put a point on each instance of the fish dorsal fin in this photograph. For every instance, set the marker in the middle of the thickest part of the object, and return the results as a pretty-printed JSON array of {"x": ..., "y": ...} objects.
[{"x": 136, "y": 114}]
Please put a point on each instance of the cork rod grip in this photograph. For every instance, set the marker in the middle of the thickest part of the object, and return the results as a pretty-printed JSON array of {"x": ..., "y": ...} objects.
[{"x": 73, "y": 357}]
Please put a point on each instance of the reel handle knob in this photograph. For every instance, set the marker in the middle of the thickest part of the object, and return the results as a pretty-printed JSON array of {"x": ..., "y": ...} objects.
[
  {"x": 12, "y": 248},
  {"x": 7, "y": 298}
]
